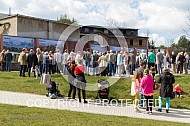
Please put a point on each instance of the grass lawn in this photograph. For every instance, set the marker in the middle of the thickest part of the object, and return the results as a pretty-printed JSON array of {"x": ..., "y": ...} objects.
[
  {"x": 24, "y": 116},
  {"x": 120, "y": 90}
]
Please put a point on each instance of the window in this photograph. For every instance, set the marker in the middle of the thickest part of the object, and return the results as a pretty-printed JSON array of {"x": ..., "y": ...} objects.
[
  {"x": 95, "y": 30},
  {"x": 86, "y": 30},
  {"x": 112, "y": 41},
  {"x": 140, "y": 42},
  {"x": 132, "y": 32},
  {"x": 105, "y": 31},
  {"x": 131, "y": 42}
]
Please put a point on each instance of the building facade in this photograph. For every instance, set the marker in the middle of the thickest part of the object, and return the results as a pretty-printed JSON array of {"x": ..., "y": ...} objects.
[{"x": 92, "y": 37}]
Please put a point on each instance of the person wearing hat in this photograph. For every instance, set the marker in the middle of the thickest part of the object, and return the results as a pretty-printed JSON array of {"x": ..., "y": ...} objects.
[{"x": 166, "y": 90}]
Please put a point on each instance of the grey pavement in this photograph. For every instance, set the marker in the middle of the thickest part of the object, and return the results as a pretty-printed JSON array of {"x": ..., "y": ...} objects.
[{"x": 41, "y": 101}]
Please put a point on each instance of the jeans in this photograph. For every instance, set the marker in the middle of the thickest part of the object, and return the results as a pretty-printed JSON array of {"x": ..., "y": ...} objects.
[
  {"x": 141, "y": 102},
  {"x": 167, "y": 103},
  {"x": 159, "y": 68},
  {"x": 95, "y": 68},
  {"x": 22, "y": 70},
  {"x": 131, "y": 66},
  {"x": 59, "y": 66},
  {"x": 87, "y": 65},
  {"x": 41, "y": 67},
  {"x": 8, "y": 66},
  {"x": 111, "y": 69},
  {"x": 65, "y": 71},
  {"x": 45, "y": 68}
]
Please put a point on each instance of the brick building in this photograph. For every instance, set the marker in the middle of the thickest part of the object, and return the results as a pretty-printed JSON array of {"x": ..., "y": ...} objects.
[{"x": 89, "y": 36}]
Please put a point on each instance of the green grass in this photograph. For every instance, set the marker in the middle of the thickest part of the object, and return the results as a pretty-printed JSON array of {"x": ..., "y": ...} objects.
[
  {"x": 24, "y": 116},
  {"x": 120, "y": 90}
]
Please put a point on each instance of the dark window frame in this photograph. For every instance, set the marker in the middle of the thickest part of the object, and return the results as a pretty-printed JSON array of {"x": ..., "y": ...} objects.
[{"x": 131, "y": 42}]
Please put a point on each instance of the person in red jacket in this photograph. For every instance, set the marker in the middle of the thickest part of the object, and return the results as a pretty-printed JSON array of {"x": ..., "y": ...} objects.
[{"x": 178, "y": 91}]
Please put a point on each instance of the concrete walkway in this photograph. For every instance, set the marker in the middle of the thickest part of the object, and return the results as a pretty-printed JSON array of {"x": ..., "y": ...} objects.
[{"x": 41, "y": 101}]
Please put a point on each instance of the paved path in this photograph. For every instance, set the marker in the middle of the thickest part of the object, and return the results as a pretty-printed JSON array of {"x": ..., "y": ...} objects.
[{"x": 41, "y": 101}]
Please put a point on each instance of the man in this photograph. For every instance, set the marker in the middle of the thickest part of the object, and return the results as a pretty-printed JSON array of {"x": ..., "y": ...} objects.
[
  {"x": 65, "y": 57},
  {"x": 181, "y": 61},
  {"x": 132, "y": 62},
  {"x": 95, "y": 58},
  {"x": 112, "y": 60},
  {"x": 8, "y": 59},
  {"x": 23, "y": 62},
  {"x": 143, "y": 57},
  {"x": 120, "y": 63},
  {"x": 58, "y": 60},
  {"x": 173, "y": 62},
  {"x": 159, "y": 61},
  {"x": 2, "y": 60},
  {"x": 151, "y": 59},
  {"x": 32, "y": 61},
  {"x": 186, "y": 62},
  {"x": 87, "y": 59},
  {"x": 40, "y": 59}
]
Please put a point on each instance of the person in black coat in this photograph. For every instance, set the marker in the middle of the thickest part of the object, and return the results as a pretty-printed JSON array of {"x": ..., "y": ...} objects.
[
  {"x": 71, "y": 77},
  {"x": 32, "y": 61},
  {"x": 166, "y": 90}
]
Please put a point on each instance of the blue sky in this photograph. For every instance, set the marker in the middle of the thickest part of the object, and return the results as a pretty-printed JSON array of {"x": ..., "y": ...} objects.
[{"x": 163, "y": 20}]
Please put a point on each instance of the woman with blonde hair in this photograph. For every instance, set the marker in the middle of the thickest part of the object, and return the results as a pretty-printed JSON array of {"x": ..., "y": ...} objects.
[{"x": 135, "y": 89}]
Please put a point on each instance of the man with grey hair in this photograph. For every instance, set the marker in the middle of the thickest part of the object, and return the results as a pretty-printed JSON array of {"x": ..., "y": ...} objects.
[
  {"x": 143, "y": 57},
  {"x": 159, "y": 61},
  {"x": 65, "y": 57},
  {"x": 112, "y": 60}
]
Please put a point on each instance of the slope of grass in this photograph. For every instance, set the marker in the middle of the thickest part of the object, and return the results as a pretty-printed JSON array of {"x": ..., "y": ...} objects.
[
  {"x": 24, "y": 116},
  {"x": 119, "y": 90}
]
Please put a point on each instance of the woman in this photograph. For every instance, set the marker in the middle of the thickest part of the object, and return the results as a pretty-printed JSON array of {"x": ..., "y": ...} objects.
[
  {"x": 126, "y": 59},
  {"x": 135, "y": 85},
  {"x": 80, "y": 81},
  {"x": 103, "y": 64},
  {"x": 166, "y": 91},
  {"x": 71, "y": 77},
  {"x": 120, "y": 63},
  {"x": 147, "y": 84},
  {"x": 51, "y": 62}
]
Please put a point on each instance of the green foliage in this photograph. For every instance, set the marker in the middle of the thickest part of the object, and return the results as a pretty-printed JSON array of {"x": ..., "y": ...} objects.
[
  {"x": 183, "y": 42},
  {"x": 66, "y": 19}
]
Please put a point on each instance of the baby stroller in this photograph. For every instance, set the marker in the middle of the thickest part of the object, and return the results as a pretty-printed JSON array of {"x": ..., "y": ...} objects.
[
  {"x": 52, "y": 90},
  {"x": 103, "y": 89}
]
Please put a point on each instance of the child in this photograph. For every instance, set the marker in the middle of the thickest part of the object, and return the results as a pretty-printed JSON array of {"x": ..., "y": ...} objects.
[
  {"x": 152, "y": 72},
  {"x": 177, "y": 90},
  {"x": 37, "y": 71},
  {"x": 135, "y": 89}
]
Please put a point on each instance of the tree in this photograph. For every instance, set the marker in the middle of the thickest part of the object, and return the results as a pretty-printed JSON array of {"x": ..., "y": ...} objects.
[
  {"x": 66, "y": 19},
  {"x": 183, "y": 42}
]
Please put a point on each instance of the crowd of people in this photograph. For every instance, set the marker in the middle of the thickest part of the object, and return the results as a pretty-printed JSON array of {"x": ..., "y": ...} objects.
[{"x": 108, "y": 63}]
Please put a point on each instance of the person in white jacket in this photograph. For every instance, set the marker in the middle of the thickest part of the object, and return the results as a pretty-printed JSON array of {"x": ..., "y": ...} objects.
[
  {"x": 65, "y": 57},
  {"x": 103, "y": 64}
]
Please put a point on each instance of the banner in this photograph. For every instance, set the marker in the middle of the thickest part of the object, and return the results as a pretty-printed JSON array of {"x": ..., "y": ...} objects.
[
  {"x": 98, "y": 48},
  {"x": 50, "y": 45},
  {"x": 15, "y": 44}
]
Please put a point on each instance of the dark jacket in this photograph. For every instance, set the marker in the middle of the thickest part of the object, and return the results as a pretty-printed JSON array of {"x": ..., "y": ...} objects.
[
  {"x": 182, "y": 59},
  {"x": 8, "y": 57},
  {"x": 167, "y": 80},
  {"x": 71, "y": 75},
  {"x": 32, "y": 60}
]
